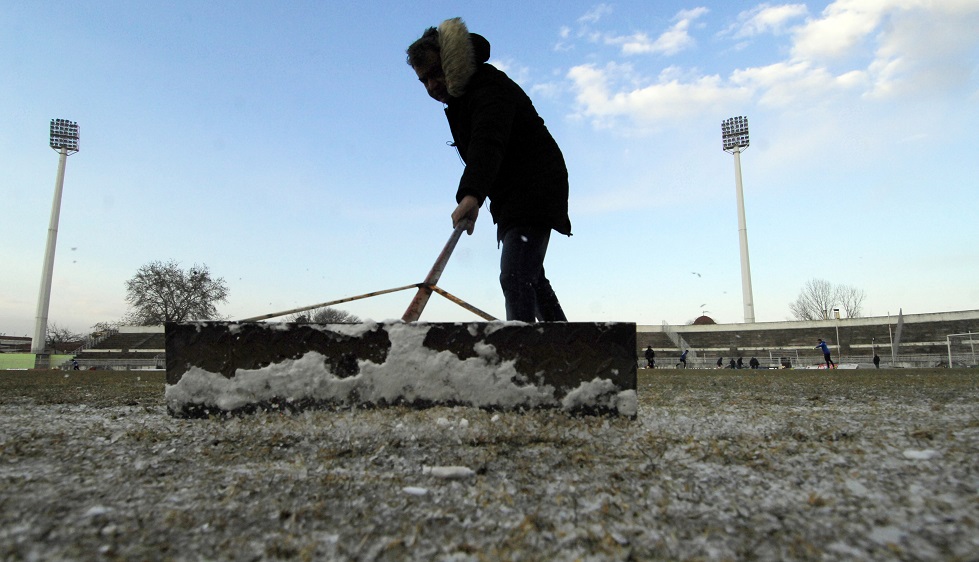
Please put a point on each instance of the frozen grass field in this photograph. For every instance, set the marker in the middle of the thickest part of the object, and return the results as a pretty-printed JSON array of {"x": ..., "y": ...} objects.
[{"x": 719, "y": 465}]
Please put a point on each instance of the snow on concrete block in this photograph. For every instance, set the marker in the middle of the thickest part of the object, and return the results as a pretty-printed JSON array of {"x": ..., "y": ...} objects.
[{"x": 225, "y": 367}]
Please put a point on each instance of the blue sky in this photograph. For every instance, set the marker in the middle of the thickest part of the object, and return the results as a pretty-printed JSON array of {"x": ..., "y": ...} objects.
[{"x": 287, "y": 146}]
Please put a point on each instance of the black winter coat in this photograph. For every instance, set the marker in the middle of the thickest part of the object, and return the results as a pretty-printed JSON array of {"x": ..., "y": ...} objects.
[{"x": 510, "y": 155}]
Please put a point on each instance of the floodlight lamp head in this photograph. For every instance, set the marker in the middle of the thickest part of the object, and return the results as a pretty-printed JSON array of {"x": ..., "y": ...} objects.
[
  {"x": 64, "y": 135},
  {"x": 734, "y": 134}
]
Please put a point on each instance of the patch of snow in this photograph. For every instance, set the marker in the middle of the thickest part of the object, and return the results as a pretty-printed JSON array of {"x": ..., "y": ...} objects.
[
  {"x": 602, "y": 393},
  {"x": 500, "y": 324},
  {"x": 356, "y": 329},
  {"x": 97, "y": 510},
  {"x": 886, "y": 535},
  {"x": 920, "y": 455},
  {"x": 856, "y": 488},
  {"x": 846, "y": 551},
  {"x": 448, "y": 472}
]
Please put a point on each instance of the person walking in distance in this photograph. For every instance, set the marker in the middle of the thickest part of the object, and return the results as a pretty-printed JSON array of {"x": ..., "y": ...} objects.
[
  {"x": 510, "y": 157},
  {"x": 826, "y": 354},
  {"x": 683, "y": 359}
]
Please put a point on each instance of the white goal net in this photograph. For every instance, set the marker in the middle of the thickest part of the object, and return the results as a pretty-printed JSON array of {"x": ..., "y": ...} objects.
[{"x": 963, "y": 349}]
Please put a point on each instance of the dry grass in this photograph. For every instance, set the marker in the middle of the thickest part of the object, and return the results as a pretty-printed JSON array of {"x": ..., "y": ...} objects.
[
  {"x": 657, "y": 388},
  {"x": 720, "y": 465},
  {"x": 98, "y": 389}
]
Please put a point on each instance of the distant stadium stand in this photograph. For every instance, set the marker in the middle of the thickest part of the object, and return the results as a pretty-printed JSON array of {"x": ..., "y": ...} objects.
[
  {"x": 922, "y": 343},
  {"x": 131, "y": 348},
  {"x": 15, "y": 344},
  {"x": 927, "y": 340}
]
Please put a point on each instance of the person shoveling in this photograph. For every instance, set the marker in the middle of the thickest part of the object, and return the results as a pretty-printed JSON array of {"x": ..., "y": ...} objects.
[{"x": 511, "y": 160}]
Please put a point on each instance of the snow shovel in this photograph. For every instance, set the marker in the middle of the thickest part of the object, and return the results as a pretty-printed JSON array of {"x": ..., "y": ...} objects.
[
  {"x": 418, "y": 303},
  {"x": 216, "y": 368}
]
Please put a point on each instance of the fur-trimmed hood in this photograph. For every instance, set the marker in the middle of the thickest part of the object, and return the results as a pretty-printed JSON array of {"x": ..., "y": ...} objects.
[{"x": 462, "y": 52}]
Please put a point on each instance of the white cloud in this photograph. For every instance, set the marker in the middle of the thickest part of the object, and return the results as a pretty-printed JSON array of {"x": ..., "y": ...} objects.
[
  {"x": 669, "y": 42},
  {"x": 765, "y": 18},
  {"x": 912, "y": 45},
  {"x": 786, "y": 83},
  {"x": 517, "y": 72},
  {"x": 844, "y": 25},
  {"x": 666, "y": 100},
  {"x": 595, "y": 14},
  {"x": 550, "y": 90},
  {"x": 921, "y": 52},
  {"x": 583, "y": 30},
  {"x": 854, "y": 49}
]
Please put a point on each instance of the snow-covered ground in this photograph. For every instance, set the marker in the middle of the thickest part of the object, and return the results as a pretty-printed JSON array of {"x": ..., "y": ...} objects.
[{"x": 716, "y": 467}]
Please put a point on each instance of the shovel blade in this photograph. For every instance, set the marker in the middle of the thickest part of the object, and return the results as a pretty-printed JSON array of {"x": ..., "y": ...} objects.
[{"x": 227, "y": 367}]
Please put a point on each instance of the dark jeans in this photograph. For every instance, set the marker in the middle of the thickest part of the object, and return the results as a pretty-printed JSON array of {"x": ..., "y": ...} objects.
[{"x": 528, "y": 293}]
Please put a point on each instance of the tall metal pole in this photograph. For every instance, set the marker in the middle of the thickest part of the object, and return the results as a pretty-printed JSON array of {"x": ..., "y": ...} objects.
[
  {"x": 746, "y": 293},
  {"x": 890, "y": 337},
  {"x": 734, "y": 139},
  {"x": 38, "y": 345},
  {"x": 839, "y": 346},
  {"x": 64, "y": 139},
  {"x": 948, "y": 347}
]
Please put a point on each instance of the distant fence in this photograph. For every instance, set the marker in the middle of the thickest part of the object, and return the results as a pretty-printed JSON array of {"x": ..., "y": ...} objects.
[
  {"x": 157, "y": 362},
  {"x": 921, "y": 361}
]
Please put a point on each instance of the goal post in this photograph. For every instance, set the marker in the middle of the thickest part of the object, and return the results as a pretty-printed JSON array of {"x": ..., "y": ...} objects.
[{"x": 962, "y": 349}]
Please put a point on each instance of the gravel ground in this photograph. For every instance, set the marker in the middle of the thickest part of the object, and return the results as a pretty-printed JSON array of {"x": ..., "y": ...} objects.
[{"x": 719, "y": 465}]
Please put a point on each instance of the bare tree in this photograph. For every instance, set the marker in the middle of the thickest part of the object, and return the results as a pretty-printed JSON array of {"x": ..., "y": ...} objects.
[
  {"x": 100, "y": 329},
  {"x": 819, "y": 297},
  {"x": 325, "y": 315},
  {"x": 63, "y": 339},
  {"x": 816, "y": 298},
  {"x": 162, "y": 292},
  {"x": 851, "y": 300}
]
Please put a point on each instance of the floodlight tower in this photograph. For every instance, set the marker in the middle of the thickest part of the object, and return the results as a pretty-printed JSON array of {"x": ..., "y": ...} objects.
[
  {"x": 64, "y": 139},
  {"x": 734, "y": 135}
]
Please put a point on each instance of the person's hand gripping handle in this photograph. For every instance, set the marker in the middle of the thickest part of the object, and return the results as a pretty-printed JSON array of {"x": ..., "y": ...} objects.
[{"x": 465, "y": 214}]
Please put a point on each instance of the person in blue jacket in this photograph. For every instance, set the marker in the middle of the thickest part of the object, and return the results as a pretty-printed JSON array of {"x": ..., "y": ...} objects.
[
  {"x": 683, "y": 359},
  {"x": 826, "y": 355}
]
